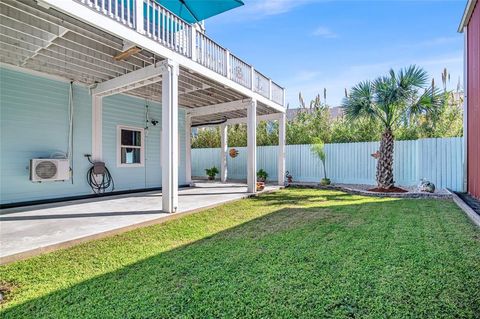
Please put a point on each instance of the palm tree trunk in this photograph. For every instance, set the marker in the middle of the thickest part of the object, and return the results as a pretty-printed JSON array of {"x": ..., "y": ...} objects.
[
  {"x": 324, "y": 170},
  {"x": 385, "y": 162}
]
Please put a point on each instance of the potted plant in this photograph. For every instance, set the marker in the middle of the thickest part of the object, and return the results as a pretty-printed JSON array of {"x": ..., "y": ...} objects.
[
  {"x": 318, "y": 149},
  {"x": 211, "y": 172},
  {"x": 262, "y": 176}
]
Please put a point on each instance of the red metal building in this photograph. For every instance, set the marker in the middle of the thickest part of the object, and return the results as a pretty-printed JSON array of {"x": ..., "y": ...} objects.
[{"x": 470, "y": 26}]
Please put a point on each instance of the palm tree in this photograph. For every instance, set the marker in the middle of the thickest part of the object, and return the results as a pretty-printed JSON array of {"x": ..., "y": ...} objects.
[
  {"x": 388, "y": 99},
  {"x": 318, "y": 149}
]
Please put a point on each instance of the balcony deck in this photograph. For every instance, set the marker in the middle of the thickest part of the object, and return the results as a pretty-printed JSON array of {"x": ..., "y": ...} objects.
[{"x": 80, "y": 45}]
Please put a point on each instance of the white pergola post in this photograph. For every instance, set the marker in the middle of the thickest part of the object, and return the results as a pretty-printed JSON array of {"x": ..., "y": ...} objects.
[
  {"x": 169, "y": 146},
  {"x": 281, "y": 149},
  {"x": 252, "y": 146},
  {"x": 97, "y": 110},
  {"x": 223, "y": 152},
  {"x": 188, "y": 149}
]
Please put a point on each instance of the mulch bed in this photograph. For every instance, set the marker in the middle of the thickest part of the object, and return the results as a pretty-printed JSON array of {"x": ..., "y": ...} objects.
[
  {"x": 366, "y": 190},
  {"x": 388, "y": 190}
]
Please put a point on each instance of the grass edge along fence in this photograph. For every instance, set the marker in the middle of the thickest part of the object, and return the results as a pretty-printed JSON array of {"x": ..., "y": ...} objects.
[{"x": 439, "y": 160}]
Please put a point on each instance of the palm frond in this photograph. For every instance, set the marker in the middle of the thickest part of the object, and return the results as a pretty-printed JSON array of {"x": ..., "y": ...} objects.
[
  {"x": 360, "y": 102},
  {"x": 412, "y": 77},
  {"x": 391, "y": 97}
]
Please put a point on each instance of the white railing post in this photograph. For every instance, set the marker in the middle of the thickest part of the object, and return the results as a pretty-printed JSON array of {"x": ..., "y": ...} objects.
[
  {"x": 253, "y": 78},
  {"x": 228, "y": 64},
  {"x": 270, "y": 89},
  {"x": 193, "y": 43},
  {"x": 139, "y": 21},
  {"x": 104, "y": 7}
]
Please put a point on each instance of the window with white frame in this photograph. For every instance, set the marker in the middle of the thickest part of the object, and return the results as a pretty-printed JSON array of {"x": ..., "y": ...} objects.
[{"x": 130, "y": 146}]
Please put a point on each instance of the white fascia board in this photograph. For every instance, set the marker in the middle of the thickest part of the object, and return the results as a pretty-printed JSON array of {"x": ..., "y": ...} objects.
[
  {"x": 467, "y": 14},
  {"x": 87, "y": 15},
  {"x": 130, "y": 80},
  {"x": 220, "y": 108}
]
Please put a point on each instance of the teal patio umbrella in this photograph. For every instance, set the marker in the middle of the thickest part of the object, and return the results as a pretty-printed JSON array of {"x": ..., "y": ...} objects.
[{"x": 193, "y": 11}]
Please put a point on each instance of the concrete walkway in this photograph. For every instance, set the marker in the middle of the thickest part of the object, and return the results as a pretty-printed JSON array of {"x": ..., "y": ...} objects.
[{"x": 28, "y": 231}]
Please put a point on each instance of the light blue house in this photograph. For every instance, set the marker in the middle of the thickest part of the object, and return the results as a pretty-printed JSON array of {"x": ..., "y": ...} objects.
[{"x": 91, "y": 84}]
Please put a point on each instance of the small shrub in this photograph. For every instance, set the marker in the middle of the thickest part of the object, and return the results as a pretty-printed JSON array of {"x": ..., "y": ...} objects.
[{"x": 211, "y": 172}]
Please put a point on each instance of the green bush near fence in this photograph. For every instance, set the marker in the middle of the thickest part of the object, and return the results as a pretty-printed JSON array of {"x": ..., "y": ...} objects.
[{"x": 310, "y": 124}]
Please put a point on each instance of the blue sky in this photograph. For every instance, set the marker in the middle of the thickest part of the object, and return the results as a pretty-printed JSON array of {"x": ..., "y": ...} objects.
[{"x": 308, "y": 45}]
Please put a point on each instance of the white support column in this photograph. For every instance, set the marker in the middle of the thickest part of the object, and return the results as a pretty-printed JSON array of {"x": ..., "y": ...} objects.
[
  {"x": 188, "y": 149},
  {"x": 223, "y": 152},
  {"x": 252, "y": 147},
  {"x": 169, "y": 147},
  {"x": 281, "y": 149},
  {"x": 97, "y": 110}
]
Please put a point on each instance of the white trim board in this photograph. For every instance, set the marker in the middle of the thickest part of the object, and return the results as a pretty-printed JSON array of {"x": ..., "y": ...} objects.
[{"x": 467, "y": 14}]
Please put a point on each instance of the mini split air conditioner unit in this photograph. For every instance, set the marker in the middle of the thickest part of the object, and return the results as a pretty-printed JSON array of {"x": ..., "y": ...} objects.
[{"x": 49, "y": 170}]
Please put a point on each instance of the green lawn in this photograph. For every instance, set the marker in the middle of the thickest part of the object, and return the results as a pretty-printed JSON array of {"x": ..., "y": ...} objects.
[{"x": 294, "y": 253}]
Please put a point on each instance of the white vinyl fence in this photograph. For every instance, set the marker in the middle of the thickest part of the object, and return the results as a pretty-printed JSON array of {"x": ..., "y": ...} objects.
[{"x": 438, "y": 160}]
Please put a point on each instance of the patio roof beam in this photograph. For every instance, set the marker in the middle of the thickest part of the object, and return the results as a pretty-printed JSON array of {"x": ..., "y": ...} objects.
[
  {"x": 266, "y": 117},
  {"x": 130, "y": 81},
  {"x": 221, "y": 108}
]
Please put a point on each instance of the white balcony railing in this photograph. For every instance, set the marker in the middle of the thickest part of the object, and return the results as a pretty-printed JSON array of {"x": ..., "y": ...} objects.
[
  {"x": 278, "y": 94},
  {"x": 210, "y": 54},
  {"x": 240, "y": 71},
  {"x": 261, "y": 84},
  {"x": 156, "y": 22}
]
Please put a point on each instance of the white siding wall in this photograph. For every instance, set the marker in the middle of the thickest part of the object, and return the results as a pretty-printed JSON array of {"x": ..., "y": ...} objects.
[{"x": 34, "y": 124}]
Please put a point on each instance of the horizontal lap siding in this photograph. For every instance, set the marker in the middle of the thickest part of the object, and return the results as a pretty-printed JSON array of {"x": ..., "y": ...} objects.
[
  {"x": 473, "y": 101},
  {"x": 34, "y": 123},
  {"x": 438, "y": 160},
  {"x": 129, "y": 111}
]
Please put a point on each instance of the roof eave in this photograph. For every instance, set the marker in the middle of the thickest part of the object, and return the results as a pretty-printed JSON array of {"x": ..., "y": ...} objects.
[{"x": 467, "y": 14}]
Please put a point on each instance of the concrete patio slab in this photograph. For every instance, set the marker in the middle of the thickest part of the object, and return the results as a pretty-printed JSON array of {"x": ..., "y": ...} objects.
[{"x": 28, "y": 231}]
